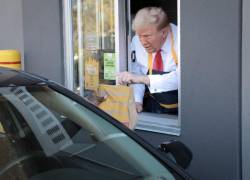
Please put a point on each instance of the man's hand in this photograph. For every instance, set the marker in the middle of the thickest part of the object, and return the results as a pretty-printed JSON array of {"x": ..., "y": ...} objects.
[
  {"x": 138, "y": 107},
  {"x": 125, "y": 78},
  {"x": 130, "y": 78}
]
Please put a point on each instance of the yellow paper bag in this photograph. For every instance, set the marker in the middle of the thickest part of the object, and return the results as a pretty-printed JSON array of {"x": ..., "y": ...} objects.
[{"x": 119, "y": 103}]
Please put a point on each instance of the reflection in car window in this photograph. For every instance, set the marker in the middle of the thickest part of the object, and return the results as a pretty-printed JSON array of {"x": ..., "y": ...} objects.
[{"x": 45, "y": 135}]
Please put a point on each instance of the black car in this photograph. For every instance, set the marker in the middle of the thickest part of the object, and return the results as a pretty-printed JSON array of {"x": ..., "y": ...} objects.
[{"x": 48, "y": 132}]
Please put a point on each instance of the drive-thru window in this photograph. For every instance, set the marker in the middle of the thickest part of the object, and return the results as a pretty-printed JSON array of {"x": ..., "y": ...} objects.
[{"x": 97, "y": 44}]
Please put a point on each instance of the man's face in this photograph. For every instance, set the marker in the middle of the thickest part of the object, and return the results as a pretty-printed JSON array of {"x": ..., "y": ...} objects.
[{"x": 151, "y": 38}]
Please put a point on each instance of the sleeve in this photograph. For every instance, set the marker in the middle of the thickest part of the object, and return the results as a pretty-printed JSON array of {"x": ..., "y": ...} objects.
[
  {"x": 165, "y": 82},
  {"x": 139, "y": 89}
]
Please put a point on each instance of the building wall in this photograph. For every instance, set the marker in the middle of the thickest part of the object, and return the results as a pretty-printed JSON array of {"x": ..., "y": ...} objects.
[
  {"x": 43, "y": 42},
  {"x": 210, "y": 74},
  {"x": 11, "y": 23},
  {"x": 245, "y": 90},
  {"x": 34, "y": 28},
  {"x": 210, "y": 88}
]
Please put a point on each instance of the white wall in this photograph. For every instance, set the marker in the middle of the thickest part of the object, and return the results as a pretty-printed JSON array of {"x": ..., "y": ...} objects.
[
  {"x": 43, "y": 41},
  {"x": 11, "y": 23}
]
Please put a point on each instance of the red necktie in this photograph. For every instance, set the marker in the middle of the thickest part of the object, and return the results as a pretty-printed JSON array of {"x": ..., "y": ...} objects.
[{"x": 158, "y": 64}]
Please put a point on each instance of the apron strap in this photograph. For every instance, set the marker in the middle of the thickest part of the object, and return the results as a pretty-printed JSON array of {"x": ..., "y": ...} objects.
[
  {"x": 150, "y": 63},
  {"x": 173, "y": 52},
  {"x": 165, "y": 105}
]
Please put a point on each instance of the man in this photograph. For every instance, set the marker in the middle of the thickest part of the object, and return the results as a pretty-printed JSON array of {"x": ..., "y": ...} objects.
[{"x": 155, "y": 67}]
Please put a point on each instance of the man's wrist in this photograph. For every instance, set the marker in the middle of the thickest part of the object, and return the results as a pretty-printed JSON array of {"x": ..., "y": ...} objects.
[
  {"x": 141, "y": 79},
  {"x": 145, "y": 80}
]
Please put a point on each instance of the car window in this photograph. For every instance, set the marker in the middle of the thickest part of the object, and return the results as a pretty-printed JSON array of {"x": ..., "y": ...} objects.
[{"x": 46, "y": 135}]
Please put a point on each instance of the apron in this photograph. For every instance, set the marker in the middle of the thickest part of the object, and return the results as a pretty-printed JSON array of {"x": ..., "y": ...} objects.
[{"x": 164, "y": 102}]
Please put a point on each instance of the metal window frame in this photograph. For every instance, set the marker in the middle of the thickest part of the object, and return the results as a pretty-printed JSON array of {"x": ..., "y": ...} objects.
[
  {"x": 68, "y": 44},
  {"x": 171, "y": 125},
  {"x": 120, "y": 42}
]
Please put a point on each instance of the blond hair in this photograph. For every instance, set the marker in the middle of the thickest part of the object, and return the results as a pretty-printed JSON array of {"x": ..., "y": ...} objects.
[{"x": 150, "y": 16}]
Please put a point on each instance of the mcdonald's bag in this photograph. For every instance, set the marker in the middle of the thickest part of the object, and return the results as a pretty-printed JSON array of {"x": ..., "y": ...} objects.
[{"x": 119, "y": 103}]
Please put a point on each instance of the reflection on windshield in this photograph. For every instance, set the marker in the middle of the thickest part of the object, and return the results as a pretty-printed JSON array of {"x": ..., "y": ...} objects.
[{"x": 46, "y": 135}]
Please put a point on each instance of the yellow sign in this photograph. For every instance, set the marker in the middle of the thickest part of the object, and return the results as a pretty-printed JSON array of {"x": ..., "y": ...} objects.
[
  {"x": 109, "y": 66},
  {"x": 91, "y": 74}
]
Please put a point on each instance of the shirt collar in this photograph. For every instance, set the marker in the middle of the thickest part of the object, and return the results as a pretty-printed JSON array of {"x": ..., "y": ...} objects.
[{"x": 166, "y": 45}]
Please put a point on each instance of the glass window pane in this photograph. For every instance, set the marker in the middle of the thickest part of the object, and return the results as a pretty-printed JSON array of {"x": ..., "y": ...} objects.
[{"x": 94, "y": 43}]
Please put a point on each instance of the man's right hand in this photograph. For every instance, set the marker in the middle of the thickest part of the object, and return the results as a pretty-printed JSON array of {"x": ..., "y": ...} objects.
[
  {"x": 138, "y": 107},
  {"x": 131, "y": 78}
]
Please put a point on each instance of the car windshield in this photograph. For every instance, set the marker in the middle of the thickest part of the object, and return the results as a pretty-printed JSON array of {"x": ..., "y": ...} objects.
[{"x": 46, "y": 135}]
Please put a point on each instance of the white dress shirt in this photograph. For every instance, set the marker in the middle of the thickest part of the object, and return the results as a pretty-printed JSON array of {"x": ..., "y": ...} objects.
[{"x": 158, "y": 83}]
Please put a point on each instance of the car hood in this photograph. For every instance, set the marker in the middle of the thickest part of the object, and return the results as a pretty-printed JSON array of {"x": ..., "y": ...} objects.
[{"x": 9, "y": 77}]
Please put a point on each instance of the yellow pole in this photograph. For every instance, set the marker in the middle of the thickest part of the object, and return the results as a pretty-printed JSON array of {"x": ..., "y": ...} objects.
[{"x": 10, "y": 59}]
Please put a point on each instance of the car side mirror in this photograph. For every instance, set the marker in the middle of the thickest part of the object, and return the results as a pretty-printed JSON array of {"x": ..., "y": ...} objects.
[{"x": 181, "y": 153}]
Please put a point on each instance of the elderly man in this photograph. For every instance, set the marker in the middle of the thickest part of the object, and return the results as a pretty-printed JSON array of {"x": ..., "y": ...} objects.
[{"x": 155, "y": 67}]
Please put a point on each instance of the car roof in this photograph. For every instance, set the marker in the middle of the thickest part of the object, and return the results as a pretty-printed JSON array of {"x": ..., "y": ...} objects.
[{"x": 11, "y": 77}]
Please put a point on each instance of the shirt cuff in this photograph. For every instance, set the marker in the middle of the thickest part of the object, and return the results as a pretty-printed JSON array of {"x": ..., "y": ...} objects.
[{"x": 155, "y": 80}]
